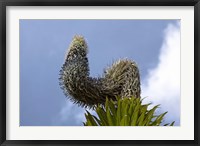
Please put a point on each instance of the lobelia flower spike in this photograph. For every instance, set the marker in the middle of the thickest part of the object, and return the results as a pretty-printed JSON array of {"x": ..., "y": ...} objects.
[{"x": 121, "y": 79}]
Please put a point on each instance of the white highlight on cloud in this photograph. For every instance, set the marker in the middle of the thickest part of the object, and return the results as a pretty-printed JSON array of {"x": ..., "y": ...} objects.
[
  {"x": 72, "y": 115},
  {"x": 162, "y": 84},
  {"x": 68, "y": 114}
]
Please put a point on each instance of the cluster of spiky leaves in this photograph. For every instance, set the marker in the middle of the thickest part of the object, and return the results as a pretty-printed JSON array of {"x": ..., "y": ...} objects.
[
  {"x": 121, "y": 79},
  {"x": 125, "y": 112}
]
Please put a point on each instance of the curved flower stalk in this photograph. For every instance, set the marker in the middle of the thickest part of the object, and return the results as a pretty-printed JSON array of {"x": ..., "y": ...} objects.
[{"x": 121, "y": 79}]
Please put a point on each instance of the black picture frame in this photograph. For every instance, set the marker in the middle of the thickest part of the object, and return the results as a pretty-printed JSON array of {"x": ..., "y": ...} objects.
[{"x": 5, "y": 3}]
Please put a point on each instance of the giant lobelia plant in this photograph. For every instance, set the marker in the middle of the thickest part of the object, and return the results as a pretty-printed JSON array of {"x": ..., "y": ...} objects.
[{"x": 115, "y": 96}]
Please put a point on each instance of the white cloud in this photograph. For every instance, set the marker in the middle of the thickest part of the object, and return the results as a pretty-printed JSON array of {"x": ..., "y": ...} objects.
[
  {"x": 162, "y": 84},
  {"x": 68, "y": 113},
  {"x": 71, "y": 115}
]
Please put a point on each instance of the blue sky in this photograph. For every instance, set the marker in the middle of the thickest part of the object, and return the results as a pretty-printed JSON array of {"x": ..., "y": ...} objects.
[{"x": 43, "y": 44}]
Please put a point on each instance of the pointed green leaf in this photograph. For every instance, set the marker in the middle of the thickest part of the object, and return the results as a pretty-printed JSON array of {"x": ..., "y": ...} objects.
[
  {"x": 102, "y": 115},
  {"x": 150, "y": 115},
  {"x": 134, "y": 117},
  {"x": 118, "y": 112},
  {"x": 113, "y": 109},
  {"x": 172, "y": 124},
  {"x": 90, "y": 119},
  {"x": 98, "y": 121},
  {"x": 160, "y": 118},
  {"x": 109, "y": 116},
  {"x": 122, "y": 122},
  {"x": 141, "y": 120},
  {"x": 127, "y": 120},
  {"x": 130, "y": 111}
]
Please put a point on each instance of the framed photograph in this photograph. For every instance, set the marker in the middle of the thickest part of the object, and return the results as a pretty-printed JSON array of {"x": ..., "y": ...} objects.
[{"x": 99, "y": 72}]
